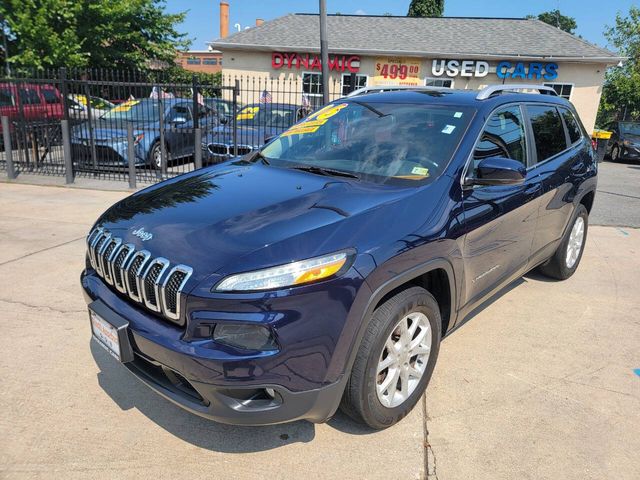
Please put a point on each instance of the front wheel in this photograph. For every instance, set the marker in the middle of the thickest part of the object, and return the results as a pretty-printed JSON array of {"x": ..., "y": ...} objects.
[
  {"x": 565, "y": 261},
  {"x": 615, "y": 153},
  {"x": 155, "y": 156},
  {"x": 395, "y": 360}
]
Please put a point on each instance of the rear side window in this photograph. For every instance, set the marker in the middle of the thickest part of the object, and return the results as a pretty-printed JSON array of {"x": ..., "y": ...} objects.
[
  {"x": 547, "y": 131},
  {"x": 29, "y": 96},
  {"x": 6, "y": 98},
  {"x": 50, "y": 96},
  {"x": 503, "y": 136},
  {"x": 572, "y": 125}
]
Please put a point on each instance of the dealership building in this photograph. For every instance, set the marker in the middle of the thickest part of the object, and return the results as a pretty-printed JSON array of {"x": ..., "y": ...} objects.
[{"x": 451, "y": 52}]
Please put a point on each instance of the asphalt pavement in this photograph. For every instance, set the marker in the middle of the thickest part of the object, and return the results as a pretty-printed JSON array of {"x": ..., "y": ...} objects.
[{"x": 618, "y": 197}]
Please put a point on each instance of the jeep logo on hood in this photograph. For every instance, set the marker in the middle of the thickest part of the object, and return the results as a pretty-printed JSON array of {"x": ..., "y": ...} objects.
[{"x": 142, "y": 235}]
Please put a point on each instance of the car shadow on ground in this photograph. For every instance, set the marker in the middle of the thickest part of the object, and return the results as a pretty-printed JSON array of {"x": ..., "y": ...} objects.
[
  {"x": 128, "y": 392},
  {"x": 487, "y": 303}
]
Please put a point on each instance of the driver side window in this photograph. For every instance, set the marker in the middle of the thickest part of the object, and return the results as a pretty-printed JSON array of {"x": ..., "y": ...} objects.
[
  {"x": 503, "y": 136},
  {"x": 179, "y": 111}
]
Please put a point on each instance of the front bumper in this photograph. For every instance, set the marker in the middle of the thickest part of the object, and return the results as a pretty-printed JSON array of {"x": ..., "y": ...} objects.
[
  {"x": 107, "y": 153},
  {"x": 630, "y": 152},
  {"x": 252, "y": 389}
]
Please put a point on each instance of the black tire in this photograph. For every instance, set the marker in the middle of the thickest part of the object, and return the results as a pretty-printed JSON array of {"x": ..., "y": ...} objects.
[
  {"x": 360, "y": 400},
  {"x": 556, "y": 267},
  {"x": 614, "y": 156},
  {"x": 155, "y": 156}
]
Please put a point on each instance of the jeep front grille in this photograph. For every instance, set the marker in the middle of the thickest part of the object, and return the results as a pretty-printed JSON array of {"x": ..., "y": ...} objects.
[{"x": 137, "y": 275}]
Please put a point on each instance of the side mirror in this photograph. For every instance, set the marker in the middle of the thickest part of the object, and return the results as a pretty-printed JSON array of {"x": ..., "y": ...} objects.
[
  {"x": 498, "y": 171},
  {"x": 178, "y": 120}
]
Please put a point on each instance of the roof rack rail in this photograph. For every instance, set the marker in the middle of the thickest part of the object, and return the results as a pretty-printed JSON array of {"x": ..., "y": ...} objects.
[
  {"x": 487, "y": 92},
  {"x": 391, "y": 88}
]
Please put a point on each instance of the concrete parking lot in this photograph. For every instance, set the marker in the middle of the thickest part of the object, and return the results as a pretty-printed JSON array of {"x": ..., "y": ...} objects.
[{"x": 539, "y": 384}]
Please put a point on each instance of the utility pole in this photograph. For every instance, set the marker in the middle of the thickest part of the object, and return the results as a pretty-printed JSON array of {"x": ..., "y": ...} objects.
[{"x": 324, "y": 52}]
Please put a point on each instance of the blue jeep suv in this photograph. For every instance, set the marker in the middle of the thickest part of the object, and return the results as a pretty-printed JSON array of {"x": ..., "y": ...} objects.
[{"x": 324, "y": 269}]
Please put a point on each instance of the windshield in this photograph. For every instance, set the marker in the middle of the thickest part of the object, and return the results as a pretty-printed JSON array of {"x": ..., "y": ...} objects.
[
  {"x": 630, "y": 128},
  {"x": 267, "y": 115},
  {"x": 135, "y": 111},
  {"x": 379, "y": 142}
]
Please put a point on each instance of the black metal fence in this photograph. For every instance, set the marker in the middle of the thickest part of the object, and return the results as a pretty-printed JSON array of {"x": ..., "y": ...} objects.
[{"x": 130, "y": 126}]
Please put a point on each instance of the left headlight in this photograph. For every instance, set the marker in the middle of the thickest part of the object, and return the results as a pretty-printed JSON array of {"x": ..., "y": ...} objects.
[{"x": 289, "y": 275}]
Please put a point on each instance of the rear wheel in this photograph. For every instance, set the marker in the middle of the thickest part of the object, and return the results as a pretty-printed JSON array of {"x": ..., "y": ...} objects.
[
  {"x": 395, "y": 360},
  {"x": 565, "y": 261}
]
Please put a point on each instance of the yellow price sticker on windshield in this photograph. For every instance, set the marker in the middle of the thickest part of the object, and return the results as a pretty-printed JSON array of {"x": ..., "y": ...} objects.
[
  {"x": 247, "y": 113},
  {"x": 315, "y": 120},
  {"x": 126, "y": 106}
]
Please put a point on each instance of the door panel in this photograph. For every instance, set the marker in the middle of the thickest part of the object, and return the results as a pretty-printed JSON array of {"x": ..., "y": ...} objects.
[
  {"x": 500, "y": 223},
  {"x": 179, "y": 137}
]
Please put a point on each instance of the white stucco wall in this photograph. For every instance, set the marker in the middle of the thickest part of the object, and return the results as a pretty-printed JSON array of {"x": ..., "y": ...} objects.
[{"x": 256, "y": 74}]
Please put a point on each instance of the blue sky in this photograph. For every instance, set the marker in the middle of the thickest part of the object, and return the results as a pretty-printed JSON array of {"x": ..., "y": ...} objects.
[{"x": 201, "y": 23}]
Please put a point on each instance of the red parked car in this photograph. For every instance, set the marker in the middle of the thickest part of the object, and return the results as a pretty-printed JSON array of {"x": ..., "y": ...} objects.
[{"x": 37, "y": 102}]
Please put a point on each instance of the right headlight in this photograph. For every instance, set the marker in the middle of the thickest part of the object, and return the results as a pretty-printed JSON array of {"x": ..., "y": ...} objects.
[{"x": 289, "y": 275}]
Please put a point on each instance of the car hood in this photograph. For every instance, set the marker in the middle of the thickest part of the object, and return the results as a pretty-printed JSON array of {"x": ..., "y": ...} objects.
[
  {"x": 246, "y": 135},
  {"x": 106, "y": 130},
  {"x": 218, "y": 216}
]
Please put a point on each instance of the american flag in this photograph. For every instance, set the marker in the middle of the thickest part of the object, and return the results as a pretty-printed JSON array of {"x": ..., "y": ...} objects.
[{"x": 265, "y": 97}]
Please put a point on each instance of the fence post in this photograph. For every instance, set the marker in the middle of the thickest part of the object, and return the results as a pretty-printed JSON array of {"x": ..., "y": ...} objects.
[
  {"x": 8, "y": 149},
  {"x": 131, "y": 156},
  {"x": 198, "y": 148},
  {"x": 164, "y": 160},
  {"x": 92, "y": 143},
  {"x": 66, "y": 151},
  {"x": 195, "y": 88},
  {"x": 236, "y": 92},
  {"x": 64, "y": 90}
]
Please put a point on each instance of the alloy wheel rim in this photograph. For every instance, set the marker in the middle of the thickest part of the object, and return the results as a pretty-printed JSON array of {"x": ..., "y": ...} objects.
[
  {"x": 157, "y": 157},
  {"x": 403, "y": 359},
  {"x": 574, "y": 246},
  {"x": 614, "y": 153}
]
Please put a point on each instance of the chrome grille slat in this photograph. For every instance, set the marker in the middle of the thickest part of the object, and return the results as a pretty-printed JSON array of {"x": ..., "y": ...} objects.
[
  {"x": 145, "y": 280},
  {"x": 134, "y": 271},
  {"x": 175, "y": 280},
  {"x": 150, "y": 283},
  {"x": 98, "y": 251},
  {"x": 120, "y": 261},
  {"x": 107, "y": 259}
]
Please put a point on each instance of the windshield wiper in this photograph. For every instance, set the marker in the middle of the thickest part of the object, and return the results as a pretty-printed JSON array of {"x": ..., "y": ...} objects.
[{"x": 324, "y": 171}]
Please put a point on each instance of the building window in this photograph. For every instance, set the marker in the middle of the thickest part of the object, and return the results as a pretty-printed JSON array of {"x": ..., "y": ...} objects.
[
  {"x": 361, "y": 82},
  {"x": 312, "y": 89},
  {"x": 438, "y": 82},
  {"x": 562, "y": 89},
  {"x": 210, "y": 61},
  {"x": 193, "y": 61},
  {"x": 312, "y": 84}
]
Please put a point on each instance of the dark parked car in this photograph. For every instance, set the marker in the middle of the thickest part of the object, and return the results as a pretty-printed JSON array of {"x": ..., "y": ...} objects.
[
  {"x": 256, "y": 124},
  {"x": 109, "y": 132},
  {"x": 224, "y": 108},
  {"x": 624, "y": 143},
  {"x": 324, "y": 269}
]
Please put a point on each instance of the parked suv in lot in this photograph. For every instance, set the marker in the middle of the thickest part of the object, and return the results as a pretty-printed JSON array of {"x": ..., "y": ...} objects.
[{"x": 325, "y": 269}]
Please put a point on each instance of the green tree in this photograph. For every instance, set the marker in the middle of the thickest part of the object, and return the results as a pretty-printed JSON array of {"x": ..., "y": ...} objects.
[
  {"x": 555, "y": 18},
  {"x": 90, "y": 33},
  {"x": 621, "y": 91},
  {"x": 426, "y": 8}
]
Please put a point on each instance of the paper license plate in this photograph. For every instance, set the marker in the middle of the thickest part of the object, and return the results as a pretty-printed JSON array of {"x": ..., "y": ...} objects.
[{"x": 105, "y": 333}]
